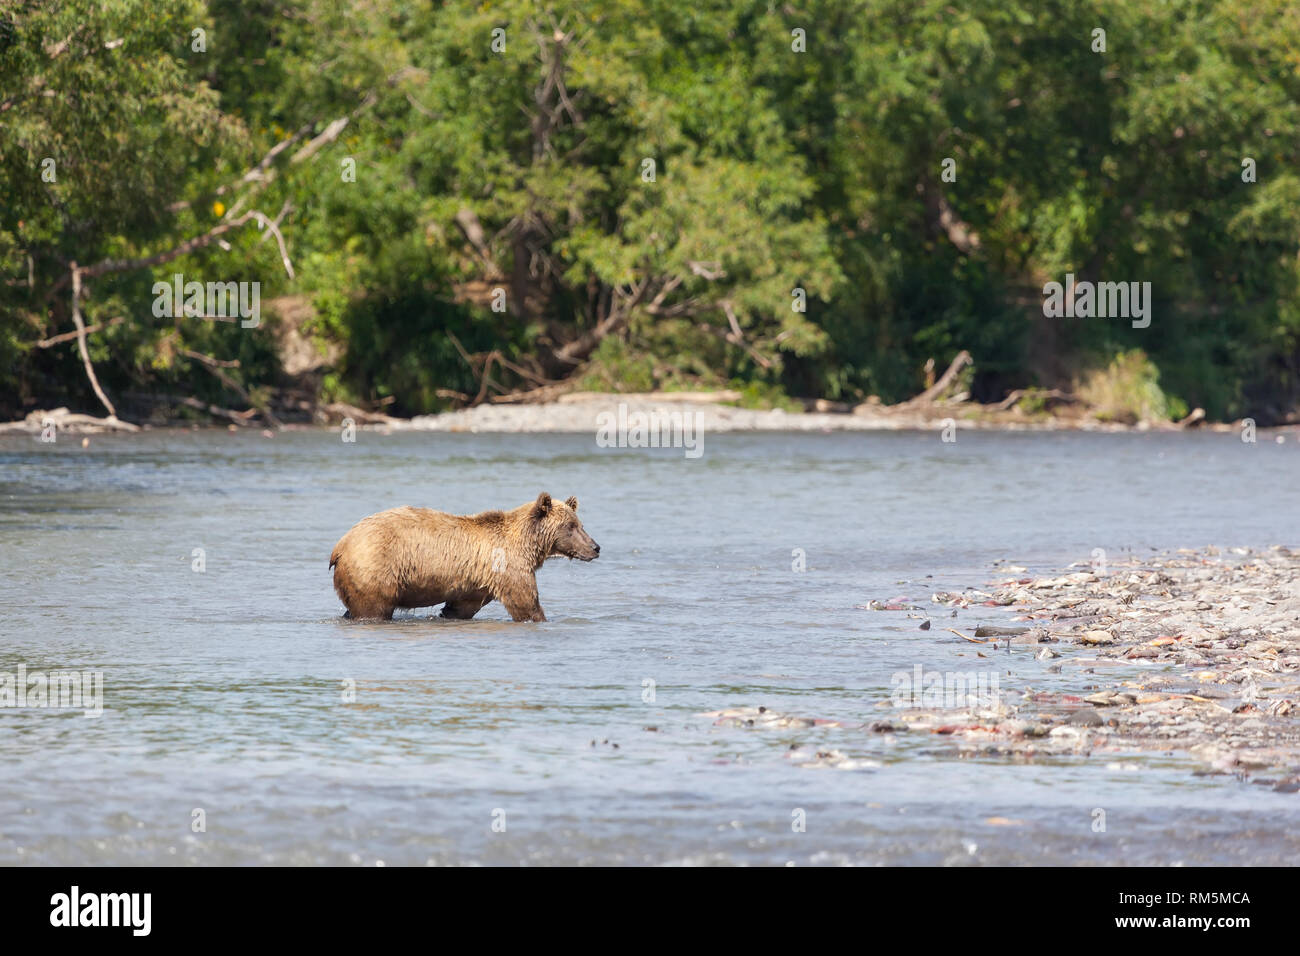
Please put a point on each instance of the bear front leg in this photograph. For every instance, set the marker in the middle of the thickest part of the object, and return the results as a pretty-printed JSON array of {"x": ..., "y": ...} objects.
[
  {"x": 520, "y": 599},
  {"x": 527, "y": 612}
]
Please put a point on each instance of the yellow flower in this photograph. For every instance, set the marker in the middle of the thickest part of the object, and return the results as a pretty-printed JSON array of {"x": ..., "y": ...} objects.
[{"x": 219, "y": 208}]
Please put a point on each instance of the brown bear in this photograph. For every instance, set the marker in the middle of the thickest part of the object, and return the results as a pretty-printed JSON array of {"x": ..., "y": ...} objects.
[{"x": 415, "y": 557}]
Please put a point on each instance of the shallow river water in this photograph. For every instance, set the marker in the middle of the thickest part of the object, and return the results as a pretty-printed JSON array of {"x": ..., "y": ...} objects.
[{"x": 225, "y": 690}]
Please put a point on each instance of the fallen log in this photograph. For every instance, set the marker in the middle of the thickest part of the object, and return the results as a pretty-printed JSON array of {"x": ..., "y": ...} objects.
[
  {"x": 534, "y": 396},
  {"x": 946, "y": 380},
  {"x": 1020, "y": 393},
  {"x": 344, "y": 410},
  {"x": 690, "y": 398},
  {"x": 242, "y": 419},
  {"x": 64, "y": 420}
]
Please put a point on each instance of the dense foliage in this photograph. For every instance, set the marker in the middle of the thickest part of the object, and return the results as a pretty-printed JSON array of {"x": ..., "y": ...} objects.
[{"x": 481, "y": 197}]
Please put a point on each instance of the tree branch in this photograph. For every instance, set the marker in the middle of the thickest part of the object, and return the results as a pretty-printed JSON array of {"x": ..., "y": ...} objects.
[
  {"x": 105, "y": 266},
  {"x": 81, "y": 342},
  {"x": 69, "y": 336},
  {"x": 215, "y": 366}
]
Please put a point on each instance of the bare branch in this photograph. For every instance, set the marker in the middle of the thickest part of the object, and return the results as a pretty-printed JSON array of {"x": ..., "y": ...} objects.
[
  {"x": 255, "y": 173},
  {"x": 737, "y": 337},
  {"x": 210, "y": 361},
  {"x": 470, "y": 225},
  {"x": 274, "y": 229},
  {"x": 215, "y": 366},
  {"x": 81, "y": 342},
  {"x": 668, "y": 288},
  {"x": 279, "y": 218},
  {"x": 312, "y": 148},
  {"x": 707, "y": 270},
  {"x": 69, "y": 336},
  {"x": 577, "y": 350},
  {"x": 105, "y": 266},
  {"x": 423, "y": 109}
]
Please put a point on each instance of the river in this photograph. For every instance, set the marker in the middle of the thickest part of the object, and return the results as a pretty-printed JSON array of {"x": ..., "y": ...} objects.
[{"x": 245, "y": 721}]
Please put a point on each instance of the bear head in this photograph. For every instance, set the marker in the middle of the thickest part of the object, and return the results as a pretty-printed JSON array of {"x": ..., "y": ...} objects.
[{"x": 559, "y": 531}]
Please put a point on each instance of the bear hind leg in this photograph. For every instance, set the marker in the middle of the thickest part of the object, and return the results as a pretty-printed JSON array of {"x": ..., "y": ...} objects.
[
  {"x": 372, "y": 611},
  {"x": 360, "y": 601},
  {"x": 465, "y": 608}
]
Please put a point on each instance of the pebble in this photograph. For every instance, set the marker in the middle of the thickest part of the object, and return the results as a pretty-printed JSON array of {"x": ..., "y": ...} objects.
[{"x": 1097, "y": 637}]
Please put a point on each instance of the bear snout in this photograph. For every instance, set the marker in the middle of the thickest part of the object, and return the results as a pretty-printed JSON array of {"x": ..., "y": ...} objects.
[{"x": 586, "y": 550}]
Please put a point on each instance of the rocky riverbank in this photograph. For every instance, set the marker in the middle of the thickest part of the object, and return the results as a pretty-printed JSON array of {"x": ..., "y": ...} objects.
[
  {"x": 1193, "y": 652},
  {"x": 1208, "y": 643},
  {"x": 582, "y": 412}
]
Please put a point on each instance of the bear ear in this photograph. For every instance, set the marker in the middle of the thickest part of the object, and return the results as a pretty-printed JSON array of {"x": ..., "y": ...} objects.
[
  {"x": 572, "y": 502},
  {"x": 542, "y": 507}
]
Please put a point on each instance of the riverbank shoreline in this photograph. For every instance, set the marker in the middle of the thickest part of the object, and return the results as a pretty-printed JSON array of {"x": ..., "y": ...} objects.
[{"x": 586, "y": 412}]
